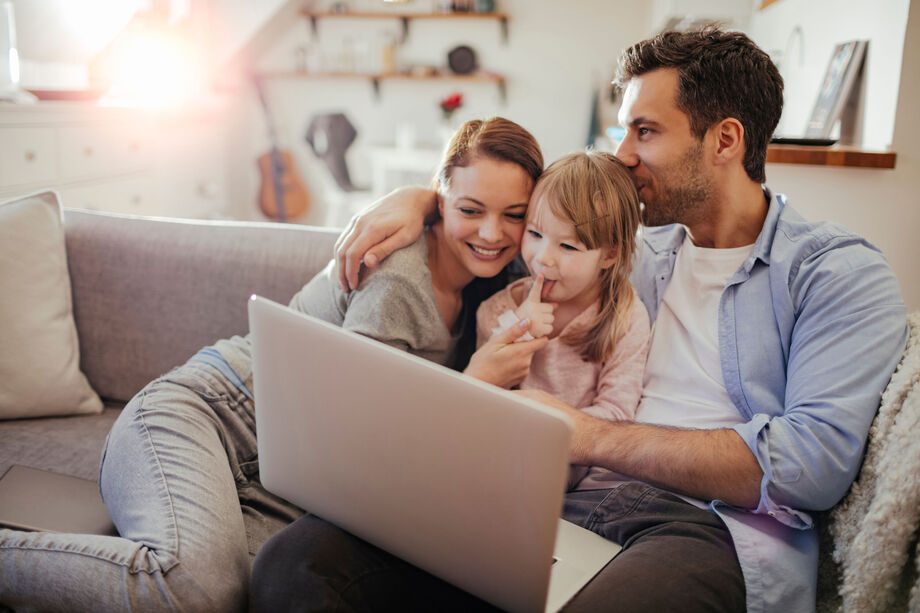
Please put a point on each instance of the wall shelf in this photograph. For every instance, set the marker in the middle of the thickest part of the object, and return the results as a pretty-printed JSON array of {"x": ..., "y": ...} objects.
[
  {"x": 405, "y": 18},
  {"x": 375, "y": 79},
  {"x": 830, "y": 156}
]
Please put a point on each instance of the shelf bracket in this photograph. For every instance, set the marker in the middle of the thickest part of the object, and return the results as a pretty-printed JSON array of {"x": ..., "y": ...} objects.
[
  {"x": 313, "y": 27},
  {"x": 504, "y": 26},
  {"x": 502, "y": 91},
  {"x": 405, "y": 29},
  {"x": 375, "y": 83}
]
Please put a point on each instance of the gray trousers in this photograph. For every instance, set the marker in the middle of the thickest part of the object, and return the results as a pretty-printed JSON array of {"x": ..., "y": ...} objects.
[
  {"x": 180, "y": 479},
  {"x": 676, "y": 557}
]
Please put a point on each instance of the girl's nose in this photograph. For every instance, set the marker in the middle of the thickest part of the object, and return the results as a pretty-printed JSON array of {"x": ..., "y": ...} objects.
[{"x": 545, "y": 257}]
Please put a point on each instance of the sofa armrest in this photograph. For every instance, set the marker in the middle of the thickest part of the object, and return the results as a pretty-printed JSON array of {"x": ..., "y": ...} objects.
[{"x": 149, "y": 292}]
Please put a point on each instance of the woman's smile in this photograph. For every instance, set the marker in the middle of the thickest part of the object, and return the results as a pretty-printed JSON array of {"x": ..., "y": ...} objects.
[{"x": 485, "y": 253}]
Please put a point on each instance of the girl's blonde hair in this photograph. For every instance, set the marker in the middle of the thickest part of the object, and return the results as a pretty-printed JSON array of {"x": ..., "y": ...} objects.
[{"x": 595, "y": 192}]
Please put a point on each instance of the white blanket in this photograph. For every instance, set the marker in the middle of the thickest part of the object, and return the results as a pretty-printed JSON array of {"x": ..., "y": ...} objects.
[{"x": 875, "y": 526}]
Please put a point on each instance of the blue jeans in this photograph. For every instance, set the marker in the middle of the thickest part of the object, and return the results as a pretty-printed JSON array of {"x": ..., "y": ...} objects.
[
  {"x": 180, "y": 479},
  {"x": 676, "y": 557}
]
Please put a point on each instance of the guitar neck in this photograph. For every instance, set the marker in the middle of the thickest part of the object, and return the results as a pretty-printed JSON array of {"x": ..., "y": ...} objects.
[{"x": 269, "y": 120}]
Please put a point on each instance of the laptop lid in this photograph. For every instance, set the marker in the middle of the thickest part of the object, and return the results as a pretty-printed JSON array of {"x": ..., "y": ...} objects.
[
  {"x": 458, "y": 477},
  {"x": 36, "y": 499}
]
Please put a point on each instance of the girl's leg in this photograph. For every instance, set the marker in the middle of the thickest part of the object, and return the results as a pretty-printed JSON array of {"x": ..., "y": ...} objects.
[{"x": 170, "y": 489}]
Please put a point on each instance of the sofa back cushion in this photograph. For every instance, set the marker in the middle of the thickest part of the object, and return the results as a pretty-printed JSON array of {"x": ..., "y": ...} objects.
[{"x": 149, "y": 292}]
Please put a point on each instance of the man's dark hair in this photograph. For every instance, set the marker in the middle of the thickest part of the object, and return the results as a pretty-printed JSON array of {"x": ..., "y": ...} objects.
[{"x": 722, "y": 74}]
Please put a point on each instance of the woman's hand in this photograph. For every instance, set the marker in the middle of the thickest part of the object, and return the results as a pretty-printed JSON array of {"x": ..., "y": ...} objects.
[
  {"x": 538, "y": 312},
  {"x": 393, "y": 222},
  {"x": 503, "y": 362}
]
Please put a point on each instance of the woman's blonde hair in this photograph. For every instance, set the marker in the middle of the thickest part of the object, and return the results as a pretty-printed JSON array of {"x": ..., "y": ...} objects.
[
  {"x": 498, "y": 139},
  {"x": 595, "y": 192}
]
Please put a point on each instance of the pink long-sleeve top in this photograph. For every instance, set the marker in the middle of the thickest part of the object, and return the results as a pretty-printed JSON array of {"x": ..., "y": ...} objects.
[{"x": 608, "y": 390}]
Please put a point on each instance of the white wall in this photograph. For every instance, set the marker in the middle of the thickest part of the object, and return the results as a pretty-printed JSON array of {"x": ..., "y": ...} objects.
[
  {"x": 879, "y": 204},
  {"x": 803, "y": 55},
  {"x": 556, "y": 54},
  {"x": 731, "y": 13}
]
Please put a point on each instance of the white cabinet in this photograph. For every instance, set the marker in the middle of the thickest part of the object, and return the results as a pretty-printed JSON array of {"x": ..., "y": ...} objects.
[
  {"x": 115, "y": 159},
  {"x": 27, "y": 155},
  {"x": 131, "y": 195},
  {"x": 98, "y": 150}
]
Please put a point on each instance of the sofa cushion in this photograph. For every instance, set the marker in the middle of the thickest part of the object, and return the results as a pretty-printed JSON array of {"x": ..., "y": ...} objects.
[
  {"x": 39, "y": 350},
  {"x": 69, "y": 445},
  {"x": 150, "y": 292}
]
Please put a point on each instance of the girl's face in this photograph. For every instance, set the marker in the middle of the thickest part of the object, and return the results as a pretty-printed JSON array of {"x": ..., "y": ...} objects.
[
  {"x": 571, "y": 271},
  {"x": 483, "y": 214}
]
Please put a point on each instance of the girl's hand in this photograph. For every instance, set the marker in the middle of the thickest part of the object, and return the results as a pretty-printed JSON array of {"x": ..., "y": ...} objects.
[
  {"x": 503, "y": 362},
  {"x": 538, "y": 312},
  {"x": 393, "y": 222}
]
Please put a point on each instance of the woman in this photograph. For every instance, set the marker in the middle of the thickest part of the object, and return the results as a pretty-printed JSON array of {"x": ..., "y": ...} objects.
[{"x": 180, "y": 469}]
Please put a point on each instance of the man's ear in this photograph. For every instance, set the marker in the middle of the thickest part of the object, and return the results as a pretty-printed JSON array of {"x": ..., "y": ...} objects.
[{"x": 729, "y": 140}]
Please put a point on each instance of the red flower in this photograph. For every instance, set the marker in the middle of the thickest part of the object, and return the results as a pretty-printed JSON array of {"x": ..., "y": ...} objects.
[{"x": 452, "y": 102}]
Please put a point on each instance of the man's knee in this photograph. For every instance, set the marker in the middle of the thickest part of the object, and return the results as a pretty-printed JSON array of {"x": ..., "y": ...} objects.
[{"x": 293, "y": 569}]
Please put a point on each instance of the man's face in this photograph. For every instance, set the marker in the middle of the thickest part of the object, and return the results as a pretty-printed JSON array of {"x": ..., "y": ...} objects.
[{"x": 665, "y": 158}]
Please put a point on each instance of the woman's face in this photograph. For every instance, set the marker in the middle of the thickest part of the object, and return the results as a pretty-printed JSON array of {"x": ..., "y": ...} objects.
[{"x": 483, "y": 214}]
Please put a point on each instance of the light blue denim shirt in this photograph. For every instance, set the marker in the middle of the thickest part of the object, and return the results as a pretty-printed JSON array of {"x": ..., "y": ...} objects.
[{"x": 811, "y": 328}]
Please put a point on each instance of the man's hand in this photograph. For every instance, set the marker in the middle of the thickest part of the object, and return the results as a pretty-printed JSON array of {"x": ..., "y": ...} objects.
[
  {"x": 585, "y": 425},
  {"x": 503, "y": 362},
  {"x": 705, "y": 464},
  {"x": 393, "y": 222},
  {"x": 538, "y": 312}
]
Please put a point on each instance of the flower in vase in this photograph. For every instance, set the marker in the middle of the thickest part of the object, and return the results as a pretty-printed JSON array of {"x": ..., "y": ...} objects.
[{"x": 450, "y": 104}]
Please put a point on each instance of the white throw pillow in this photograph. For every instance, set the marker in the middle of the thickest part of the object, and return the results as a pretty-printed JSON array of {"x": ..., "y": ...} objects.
[{"x": 39, "y": 352}]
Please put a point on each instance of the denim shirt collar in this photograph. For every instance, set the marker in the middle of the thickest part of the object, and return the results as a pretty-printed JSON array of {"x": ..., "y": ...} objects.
[{"x": 764, "y": 243}]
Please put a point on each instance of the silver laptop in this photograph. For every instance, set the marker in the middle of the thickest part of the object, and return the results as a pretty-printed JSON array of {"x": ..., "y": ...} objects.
[{"x": 455, "y": 476}]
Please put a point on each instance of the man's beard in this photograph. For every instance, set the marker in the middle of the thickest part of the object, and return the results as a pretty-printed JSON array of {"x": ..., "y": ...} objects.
[{"x": 682, "y": 199}]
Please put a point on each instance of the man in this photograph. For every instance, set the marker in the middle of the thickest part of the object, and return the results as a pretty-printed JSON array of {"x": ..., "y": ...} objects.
[{"x": 773, "y": 339}]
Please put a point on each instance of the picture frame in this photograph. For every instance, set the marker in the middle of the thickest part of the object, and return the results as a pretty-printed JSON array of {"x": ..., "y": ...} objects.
[{"x": 837, "y": 87}]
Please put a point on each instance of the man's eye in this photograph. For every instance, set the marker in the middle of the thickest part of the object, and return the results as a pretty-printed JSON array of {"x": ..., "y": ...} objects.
[{"x": 644, "y": 131}]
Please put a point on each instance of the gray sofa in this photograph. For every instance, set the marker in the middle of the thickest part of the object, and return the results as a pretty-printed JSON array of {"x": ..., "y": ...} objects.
[{"x": 148, "y": 293}]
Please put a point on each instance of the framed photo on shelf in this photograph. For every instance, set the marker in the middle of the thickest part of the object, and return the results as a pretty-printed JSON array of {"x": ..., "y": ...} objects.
[{"x": 837, "y": 88}]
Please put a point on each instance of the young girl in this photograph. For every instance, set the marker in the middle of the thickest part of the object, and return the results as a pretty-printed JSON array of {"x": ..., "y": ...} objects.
[{"x": 578, "y": 244}]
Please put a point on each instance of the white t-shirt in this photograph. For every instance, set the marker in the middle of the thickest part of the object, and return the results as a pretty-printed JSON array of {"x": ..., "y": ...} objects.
[{"x": 683, "y": 384}]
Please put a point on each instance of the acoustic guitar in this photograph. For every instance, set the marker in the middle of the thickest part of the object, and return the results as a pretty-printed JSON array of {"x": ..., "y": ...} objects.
[{"x": 282, "y": 195}]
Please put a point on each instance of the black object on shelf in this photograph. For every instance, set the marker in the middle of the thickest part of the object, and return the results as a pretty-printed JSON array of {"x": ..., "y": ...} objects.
[
  {"x": 462, "y": 60},
  {"x": 803, "y": 140}
]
